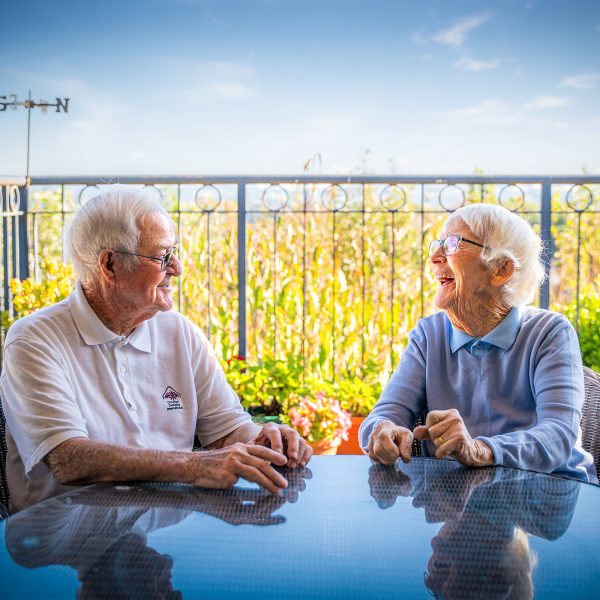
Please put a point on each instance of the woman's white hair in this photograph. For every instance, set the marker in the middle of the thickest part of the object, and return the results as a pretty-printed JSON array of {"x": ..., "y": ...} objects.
[
  {"x": 507, "y": 236},
  {"x": 109, "y": 220}
]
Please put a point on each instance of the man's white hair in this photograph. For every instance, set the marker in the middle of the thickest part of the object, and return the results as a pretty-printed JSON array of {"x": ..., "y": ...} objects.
[
  {"x": 507, "y": 236},
  {"x": 108, "y": 220}
]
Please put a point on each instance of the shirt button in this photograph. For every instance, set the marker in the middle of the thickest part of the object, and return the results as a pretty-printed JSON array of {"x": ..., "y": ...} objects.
[{"x": 123, "y": 369}]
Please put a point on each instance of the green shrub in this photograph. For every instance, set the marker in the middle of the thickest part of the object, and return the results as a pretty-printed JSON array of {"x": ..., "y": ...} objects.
[
  {"x": 30, "y": 295},
  {"x": 589, "y": 326},
  {"x": 263, "y": 388}
]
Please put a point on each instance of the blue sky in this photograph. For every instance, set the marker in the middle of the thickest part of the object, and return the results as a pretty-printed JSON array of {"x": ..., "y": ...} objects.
[{"x": 262, "y": 86}]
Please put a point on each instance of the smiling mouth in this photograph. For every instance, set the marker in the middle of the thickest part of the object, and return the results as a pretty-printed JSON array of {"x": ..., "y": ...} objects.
[{"x": 444, "y": 280}]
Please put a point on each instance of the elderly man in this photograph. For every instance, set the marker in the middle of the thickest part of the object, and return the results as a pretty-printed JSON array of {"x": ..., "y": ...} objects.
[
  {"x": 502, "y": 382},
  {"x": 111, "y": 385}
]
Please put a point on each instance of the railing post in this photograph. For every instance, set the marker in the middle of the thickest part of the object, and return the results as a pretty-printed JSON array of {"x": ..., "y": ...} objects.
[
  {"x": 23, "y": 271},
  {"x": 15, "y": 260},
  {"x": 6, "y": 241},
  {"x": 546, "y": 235},
  {"x": 242, "y": 273}
]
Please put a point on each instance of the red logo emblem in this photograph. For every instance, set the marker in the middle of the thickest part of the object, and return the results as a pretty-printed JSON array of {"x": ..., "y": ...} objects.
[{"x": 173, "y": 398}]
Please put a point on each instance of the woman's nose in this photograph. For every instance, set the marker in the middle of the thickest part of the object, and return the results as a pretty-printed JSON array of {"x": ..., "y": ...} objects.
[{"x": 437, "y": 256}]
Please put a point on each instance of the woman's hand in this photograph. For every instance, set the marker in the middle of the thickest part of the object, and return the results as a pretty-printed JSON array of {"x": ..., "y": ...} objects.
[
  {"x": 388, "y": 442},
  {"x": 447, "y": 431}
]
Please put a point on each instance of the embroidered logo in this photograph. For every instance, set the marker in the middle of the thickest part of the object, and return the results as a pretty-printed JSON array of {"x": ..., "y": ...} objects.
[{"x": 173, "y": 398}]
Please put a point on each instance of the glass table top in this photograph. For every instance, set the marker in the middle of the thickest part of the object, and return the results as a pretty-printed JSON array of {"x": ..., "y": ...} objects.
[{"x": 344, "y": 528}]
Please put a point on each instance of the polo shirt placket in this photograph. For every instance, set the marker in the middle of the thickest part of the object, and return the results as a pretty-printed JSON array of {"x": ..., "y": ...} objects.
[{"x": 123, "y": 373}]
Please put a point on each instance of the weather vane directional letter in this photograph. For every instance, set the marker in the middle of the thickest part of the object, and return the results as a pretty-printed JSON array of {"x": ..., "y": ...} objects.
[{"x": 11, "y": 101}]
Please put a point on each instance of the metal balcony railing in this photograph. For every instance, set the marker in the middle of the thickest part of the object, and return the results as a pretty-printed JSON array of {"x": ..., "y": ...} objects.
[{"x": 343, "y": 258}]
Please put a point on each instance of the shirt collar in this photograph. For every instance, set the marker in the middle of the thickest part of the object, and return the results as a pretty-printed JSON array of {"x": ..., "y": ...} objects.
[
  {"x": 94, "y": 332},
  {"x": 502, "y": 336}
]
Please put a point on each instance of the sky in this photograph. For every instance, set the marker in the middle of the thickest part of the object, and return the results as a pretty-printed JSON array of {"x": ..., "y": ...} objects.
[{"x": 236, "y": 87}]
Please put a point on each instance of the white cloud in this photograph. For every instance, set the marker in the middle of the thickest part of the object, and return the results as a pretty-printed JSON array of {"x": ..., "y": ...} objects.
[
  {"x": 582, "y": 81},
  {"x": 470, "y": 64},
  {"x": 455, "y": 36},
  {"x": 544, "y": 102},
  {"x": 495, "y": 110},
  {"x": 419, "y": 37},
  {"x": 199, "y": 82},
  {"x": 231, "y": 90}
]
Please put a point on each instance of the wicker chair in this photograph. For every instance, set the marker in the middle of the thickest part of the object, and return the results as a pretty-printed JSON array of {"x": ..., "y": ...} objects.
[{"x": 590, "y": 416}]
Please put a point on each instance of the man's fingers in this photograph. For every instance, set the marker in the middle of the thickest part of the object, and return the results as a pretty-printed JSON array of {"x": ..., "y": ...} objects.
[
  {"x": 268, "y": 454},
  {"x": 285, "y": 440},
  {"x": 270, "y": 436},
  {"x": 265, "y": 475},
  {"x": 292, "y": 440},
  {"x": 306, "y": 455}
]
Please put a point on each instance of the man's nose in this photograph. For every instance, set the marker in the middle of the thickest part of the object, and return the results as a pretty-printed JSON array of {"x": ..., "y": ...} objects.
[{"x": 175, "y": 268}]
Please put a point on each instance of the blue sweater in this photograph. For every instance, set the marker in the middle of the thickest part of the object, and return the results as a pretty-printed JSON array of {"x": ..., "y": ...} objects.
[{"x": 519, "y": 389}]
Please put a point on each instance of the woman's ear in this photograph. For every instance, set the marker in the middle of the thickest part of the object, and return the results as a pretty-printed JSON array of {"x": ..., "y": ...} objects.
[
  {"x": 106, "y": 268},
  {"x": 503, "y": 272}
]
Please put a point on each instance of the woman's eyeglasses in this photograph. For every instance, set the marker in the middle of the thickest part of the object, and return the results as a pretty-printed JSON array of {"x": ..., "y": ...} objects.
[
  {"x": 450, "y": 245},
  {"x": 163, "y": 260}
]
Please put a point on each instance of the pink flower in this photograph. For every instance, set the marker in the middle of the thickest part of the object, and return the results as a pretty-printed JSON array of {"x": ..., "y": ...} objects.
[{"x": 318, "y": 417}]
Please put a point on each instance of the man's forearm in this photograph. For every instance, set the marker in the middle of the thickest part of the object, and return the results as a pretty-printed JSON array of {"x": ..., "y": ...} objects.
[
  {"x": 245, "y": 433},
  {"x": 81, "y": 461}
]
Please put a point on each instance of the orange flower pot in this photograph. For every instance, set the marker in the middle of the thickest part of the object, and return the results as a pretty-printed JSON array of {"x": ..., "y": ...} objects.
[
  {"x": 351, "y": 445},
  {"x": 325, "y": 446}
]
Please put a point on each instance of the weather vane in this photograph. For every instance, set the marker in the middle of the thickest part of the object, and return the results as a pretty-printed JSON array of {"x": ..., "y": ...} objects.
[{"x": 11, "y": 101}]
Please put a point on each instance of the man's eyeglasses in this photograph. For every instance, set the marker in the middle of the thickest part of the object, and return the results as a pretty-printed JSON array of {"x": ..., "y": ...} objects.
[
  {"x": 163, "y": 260},
  {"x": 450, "y": 245}
]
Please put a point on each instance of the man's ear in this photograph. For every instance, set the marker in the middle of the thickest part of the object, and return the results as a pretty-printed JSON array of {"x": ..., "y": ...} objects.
[
  {"x": 503, "y": 272},
  {"x": 106, "y": 267}
]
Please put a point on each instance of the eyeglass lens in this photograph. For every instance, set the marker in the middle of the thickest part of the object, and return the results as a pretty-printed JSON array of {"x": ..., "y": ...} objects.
[
  {"x": 166, "y": 259},
  {"x": 449, "y": 245}
]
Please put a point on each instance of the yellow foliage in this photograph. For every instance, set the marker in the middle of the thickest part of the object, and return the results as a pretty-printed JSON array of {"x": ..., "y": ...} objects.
[{"x": 30, "y": 295}]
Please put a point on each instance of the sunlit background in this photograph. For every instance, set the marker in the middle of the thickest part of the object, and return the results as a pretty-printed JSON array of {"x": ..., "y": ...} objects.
[{"x": 263, "y": 86}]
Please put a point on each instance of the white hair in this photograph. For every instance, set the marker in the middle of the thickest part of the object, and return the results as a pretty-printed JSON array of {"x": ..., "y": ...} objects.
[
  {"x": 108, "y": 220},
  {"x": 507, "y": 236}
]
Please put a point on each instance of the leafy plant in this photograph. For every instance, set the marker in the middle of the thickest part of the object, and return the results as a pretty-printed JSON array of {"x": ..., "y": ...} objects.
[
  {"x": 317, "y": 417},
  {"x": 263, "y": 388},
  {"x": 355, "y": 395},
  {"x": 589, "y": 326},
  {"x": 30, "y": 295}
]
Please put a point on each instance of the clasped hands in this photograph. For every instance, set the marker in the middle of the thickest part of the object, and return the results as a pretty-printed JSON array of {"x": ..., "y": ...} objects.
[
  {"x": 273, "y": 446},
  {"x": 444, "y": 428}
]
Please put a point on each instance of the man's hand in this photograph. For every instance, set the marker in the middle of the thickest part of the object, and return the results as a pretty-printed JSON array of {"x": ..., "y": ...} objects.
[
  {"x": 447, "y": 431},
  {"x": 285, "y": 440},
  {"x": 223, "y": 467},
  {"x": 388, "y": 442},
  {"x": 241, "y": 506}
]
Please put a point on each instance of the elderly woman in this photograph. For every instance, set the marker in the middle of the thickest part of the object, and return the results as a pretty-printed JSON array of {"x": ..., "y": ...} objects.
[{"x": 502, "y": 382}]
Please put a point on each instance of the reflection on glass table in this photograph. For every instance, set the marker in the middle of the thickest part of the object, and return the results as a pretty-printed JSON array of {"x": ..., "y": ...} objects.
[
  {"x": 106, "y": 538},
  {"x": 343, "y": 529},
  {"x": 482, "y": 549}
]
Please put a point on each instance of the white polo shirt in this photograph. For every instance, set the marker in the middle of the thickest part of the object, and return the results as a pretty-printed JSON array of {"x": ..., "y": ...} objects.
[{"x": 66, "y": 375}]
